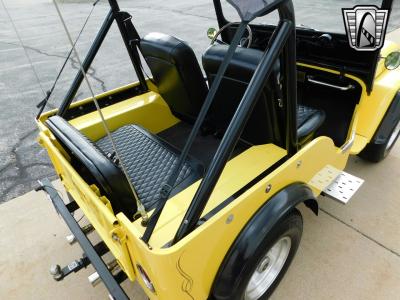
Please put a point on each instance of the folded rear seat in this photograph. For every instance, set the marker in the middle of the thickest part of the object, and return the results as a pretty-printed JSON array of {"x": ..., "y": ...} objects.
[{"x": 148, "y": 159}]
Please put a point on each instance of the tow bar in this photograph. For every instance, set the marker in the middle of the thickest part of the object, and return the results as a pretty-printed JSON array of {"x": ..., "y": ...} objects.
[{"x": 92, "y": 254}]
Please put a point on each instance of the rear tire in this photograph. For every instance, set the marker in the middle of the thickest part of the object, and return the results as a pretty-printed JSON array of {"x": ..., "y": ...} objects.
[
  {"x": 376, "y": 152},
  {"x": 262, "y": 273}
]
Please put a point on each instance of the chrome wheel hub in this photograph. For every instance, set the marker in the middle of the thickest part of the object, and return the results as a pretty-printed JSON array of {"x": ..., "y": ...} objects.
[
  {"x": 263, "y": 265},
  {"x": 268, "y": 269},
  {"x": 393, "y": 136}
]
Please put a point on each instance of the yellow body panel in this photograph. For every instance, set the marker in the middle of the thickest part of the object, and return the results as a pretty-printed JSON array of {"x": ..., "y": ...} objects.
[
  {"x": 193, "y": 262},
  {"x": 372, "y": 108},
  {"x": 187, "y": 269},
  {"x": 95, "y": 207},
  {"x": 145, "y": 109},
  {"x": 135, "y": 110},
  {"x": 78, "y": 103},
  {"x": 359, "y": 144},
  {"x": 256, "y": 160}
]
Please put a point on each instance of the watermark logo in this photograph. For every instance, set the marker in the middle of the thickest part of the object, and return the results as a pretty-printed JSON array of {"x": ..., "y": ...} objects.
[{"x": 365, "y": 27}]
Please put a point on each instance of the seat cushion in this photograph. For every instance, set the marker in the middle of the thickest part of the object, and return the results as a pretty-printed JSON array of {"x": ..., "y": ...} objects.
[
  {"x": 308, "y": 120},
  {"x": 239, "y": 73},
  {"x": 94, "y": 166},
  {"x": 241, "y": 67},
  {"x": 176, "y": 73},
  {"x": 230, "y": 92},
  {"x": 149, "y": 162}
]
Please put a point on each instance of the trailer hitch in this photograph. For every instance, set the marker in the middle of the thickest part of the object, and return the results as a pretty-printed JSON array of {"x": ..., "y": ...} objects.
[
  {"x": 92, "y": 254},
  {"x": 59, "y": 273}
]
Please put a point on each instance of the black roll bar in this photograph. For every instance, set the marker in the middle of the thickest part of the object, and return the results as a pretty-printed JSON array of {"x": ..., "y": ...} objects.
[
  {"x": 130, "y": 40},
  {"x": 282, "y": 41},
  {"x": 286, "y": 12},
  {"x": 165, "y": 191},
  {"x": 105, "y": 27}
]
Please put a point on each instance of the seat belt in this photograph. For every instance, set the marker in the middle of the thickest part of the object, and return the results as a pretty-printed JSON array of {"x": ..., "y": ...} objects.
[{"x": 133, "y": 43}]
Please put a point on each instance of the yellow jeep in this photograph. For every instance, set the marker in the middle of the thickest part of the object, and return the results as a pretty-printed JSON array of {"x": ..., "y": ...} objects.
[{"x": 192, "y": 183}]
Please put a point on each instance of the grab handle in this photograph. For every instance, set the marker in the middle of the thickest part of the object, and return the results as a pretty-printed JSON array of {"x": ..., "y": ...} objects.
[{"x": 338, "y": 87}]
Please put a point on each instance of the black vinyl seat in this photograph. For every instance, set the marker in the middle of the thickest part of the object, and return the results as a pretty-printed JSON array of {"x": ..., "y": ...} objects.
[
  {"x": 233, "y": 86},
  {"x": 260, "y": 126},
  {"x": 149, "y": 162},
  {"x": 176, "y": 73},
  {"x": 148, "y": 159},
  {"x": 308, "y": 120}
]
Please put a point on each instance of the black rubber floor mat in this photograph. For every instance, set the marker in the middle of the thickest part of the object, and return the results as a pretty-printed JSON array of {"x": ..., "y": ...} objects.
[{"x": 204, "y": 147}]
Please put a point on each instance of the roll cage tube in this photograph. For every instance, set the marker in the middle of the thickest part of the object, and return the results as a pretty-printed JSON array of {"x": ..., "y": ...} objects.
[
  {"x": 165, "y": 190},
  {"x": 282, "y": 41},
  {"x": 131, "y": 40}
]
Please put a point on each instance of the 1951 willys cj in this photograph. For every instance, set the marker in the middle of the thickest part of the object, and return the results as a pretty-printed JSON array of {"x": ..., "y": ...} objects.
[{"x": 192, "y": 183}]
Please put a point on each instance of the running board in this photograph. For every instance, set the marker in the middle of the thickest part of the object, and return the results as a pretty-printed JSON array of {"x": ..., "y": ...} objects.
[{"x": 343, "y": 187}]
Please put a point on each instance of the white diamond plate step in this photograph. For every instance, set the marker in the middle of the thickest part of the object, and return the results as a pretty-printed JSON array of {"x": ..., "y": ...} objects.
[{"x": 343, "y": 187}]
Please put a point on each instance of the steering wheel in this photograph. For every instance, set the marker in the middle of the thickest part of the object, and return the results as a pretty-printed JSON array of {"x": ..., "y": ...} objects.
[{"x": 242, "y": 42}]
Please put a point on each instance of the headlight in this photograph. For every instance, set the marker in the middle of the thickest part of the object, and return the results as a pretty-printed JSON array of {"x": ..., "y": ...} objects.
[{"x": 392, "y": 61}]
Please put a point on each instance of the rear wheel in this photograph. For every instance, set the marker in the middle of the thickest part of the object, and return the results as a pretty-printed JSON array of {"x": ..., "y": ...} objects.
[
  {"x": 376, "y": 152},
  {"x": 275, "y": 257},
  {"x": 255, "y": 274},
  {"x": 268, "y": 269}
]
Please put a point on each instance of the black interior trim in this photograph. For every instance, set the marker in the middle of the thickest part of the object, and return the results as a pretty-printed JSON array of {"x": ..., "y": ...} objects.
[
  {"x": 265, "y": 124},
  {"x": 338, "y": 105}
]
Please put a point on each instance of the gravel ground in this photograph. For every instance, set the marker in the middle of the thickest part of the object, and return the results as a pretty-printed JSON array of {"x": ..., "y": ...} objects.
[{"x": 23, "y": 162}]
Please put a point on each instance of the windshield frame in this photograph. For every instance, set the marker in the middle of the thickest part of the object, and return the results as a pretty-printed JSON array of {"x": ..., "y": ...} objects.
[{"x": 370, "y": 59}]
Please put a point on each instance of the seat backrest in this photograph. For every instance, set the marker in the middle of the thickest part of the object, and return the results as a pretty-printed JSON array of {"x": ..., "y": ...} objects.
[
  {"x": 176, "y": 73},
  {"x": 261, "y": 127},
  {"x": 94, "y": 166}
]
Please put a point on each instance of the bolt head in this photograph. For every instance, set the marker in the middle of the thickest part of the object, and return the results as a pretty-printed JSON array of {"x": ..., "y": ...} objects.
[
  {"x": 229, "y": 219},
  {"x": 298, "y": 165},
  {"x": 115, "y": 237}
]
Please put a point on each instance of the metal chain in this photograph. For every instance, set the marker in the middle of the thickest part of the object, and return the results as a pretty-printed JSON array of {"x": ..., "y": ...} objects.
[
  {"x": 140, "y": 206},
  {"x": 23, "y": 46}
]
